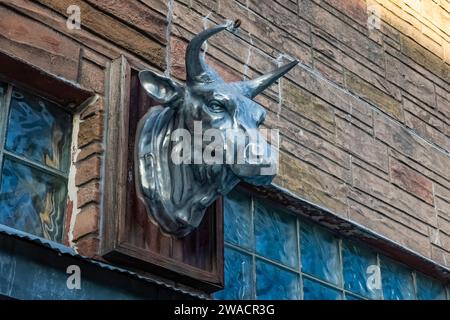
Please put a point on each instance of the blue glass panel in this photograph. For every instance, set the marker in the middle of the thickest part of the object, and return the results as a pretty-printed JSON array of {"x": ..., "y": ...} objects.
[
  {"x": 397, "y": 281},
  {"x": 361, "y": 272},
  {"x": 32, "y": 201},
  {"x": 352, "y": 297},
  {"x": 39, "y": 130},
  {"x": 313, "y": 290},
  {"x": 276, "y": 235},
  {"x": 237, "y": 224},
  {"x": 238, "y": 276},
  {"x": 275, "y": 283},
  {"x": 319, "y": 253},
  {"x": 428, "y": 288}
]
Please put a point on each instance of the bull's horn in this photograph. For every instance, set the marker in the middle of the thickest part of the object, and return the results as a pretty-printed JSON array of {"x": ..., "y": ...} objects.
[
  {"x": 252, "y": 88},
  {"x": 196, "y": 70}
]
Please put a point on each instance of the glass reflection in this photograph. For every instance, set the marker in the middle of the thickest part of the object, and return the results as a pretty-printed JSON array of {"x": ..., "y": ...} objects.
[
  {"x": 32, "y": 201},
  {"x": 275, "y": 283},
  {"x": 238, "y": 276},
  {"x": 359, "y": 269},
  {"x": 428, "y": 288},
  {"x": 319, "y": 253},
  {"x": 38, "y": 130},
  {"x": 313, "y": 290},
  {"x": 276, "y": 235},
  {"x": 397, "y": 281},
  {"x": 238, "y": 219}
]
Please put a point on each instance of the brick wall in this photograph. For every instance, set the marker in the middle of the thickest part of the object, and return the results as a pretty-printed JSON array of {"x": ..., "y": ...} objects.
[{"x": 364, "y": 118}]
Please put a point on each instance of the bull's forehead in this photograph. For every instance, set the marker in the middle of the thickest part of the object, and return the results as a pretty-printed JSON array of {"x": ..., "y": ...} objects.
[{"x": 244, "y": 109}]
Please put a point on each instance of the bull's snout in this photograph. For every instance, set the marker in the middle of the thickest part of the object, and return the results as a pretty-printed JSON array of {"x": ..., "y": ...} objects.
[{"x": 259, "y": 165}]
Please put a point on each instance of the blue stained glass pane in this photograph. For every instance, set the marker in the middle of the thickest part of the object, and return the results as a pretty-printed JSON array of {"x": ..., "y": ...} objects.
[
  {"x": 276, "y": 235},
  {"x": 39, "y": 130},
  {"x": 237, "y": 224},
  {"x": 428, "y": 288},
  {"x": 32, "y": 201},
  {"x": 313, "y": 290},
  {"x": 361, "y": 272},
  {"x": 352, "y": 297},
  {"x": 275, "y": 283},
  {"x": 238, "y": 276},
  {"x": 397, "y": 281},
  {"x": 319, "y": 253}
]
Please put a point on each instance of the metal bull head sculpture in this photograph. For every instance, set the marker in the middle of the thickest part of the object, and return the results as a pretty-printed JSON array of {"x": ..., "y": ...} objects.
[{"x": 177, "y": 195}]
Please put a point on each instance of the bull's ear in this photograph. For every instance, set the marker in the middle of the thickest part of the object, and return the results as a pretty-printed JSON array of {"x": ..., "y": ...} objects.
[{"x": 162, "y": 89}]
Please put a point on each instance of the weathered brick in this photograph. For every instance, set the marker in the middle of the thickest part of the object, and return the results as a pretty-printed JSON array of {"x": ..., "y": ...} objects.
[
  {"x": 113, "y": 30},
  {"x": 86, "y": 222},
  {"x": 411, "y": 181},
  {"x": 396, "y": 197},
  {"x": 95, "y": 108},
  {"x": 425, "y": 58},
  {"x": 361, "y": 145},
  {"x": 355, "y": 9},
  {"x": 440, "y": 255},
  {"x": 342, "y": 32},
  {"x": 309, "y": 155},
  {"x": 332, "y": 94},
  {"x": 428, "y": 132},
  {"x": 307, "y": 105},
  {"x": 88, "y": 193},
  {"x": 395, "y": 16},
  {"x": 329, "y": 69},
  {"x": 405, "y": 77},
  {"x": 91, "y": 129},
  {"x": 444, "y": 225},
  {"x": 411, "y": 145},
  {"x": 136, "y": 14},
  {"x": 280, "y": 17},
  {"x": 443, "y": 207},
  {"x": 388, "y": 211},
  {"x": 312, "y": 184},
  {"x": 88, "y": 246},
  {"x": 93, "y": 148},
  {"x": 88, "y": 170},
  {"x": 397, "y": 232},
  {"x": 45, "y": 48},
  {"x": 368, "y": 92}
]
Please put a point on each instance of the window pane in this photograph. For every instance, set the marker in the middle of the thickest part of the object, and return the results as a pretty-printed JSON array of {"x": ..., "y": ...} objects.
[
  {"x": 319, "y": 253},
  {"x": 238, "y": 217},
  {"x": 313, "y": 290},
  {"x": 39, "y": 130},
  {"x": 275, "y": 283},
  {"x": 352, "y": 297},
  {"x": 238, "y": 276},
  {"x": 32, "y": 201},
  {"x": 276, "y": 235},
  {"x": 361, "y": 272},
  {"x": 428, "y": 288},
  {"x": 397, "y": 281}
]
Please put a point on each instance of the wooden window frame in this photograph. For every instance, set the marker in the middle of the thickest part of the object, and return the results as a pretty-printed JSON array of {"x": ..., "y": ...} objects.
[{"x": 114, "y": 245}]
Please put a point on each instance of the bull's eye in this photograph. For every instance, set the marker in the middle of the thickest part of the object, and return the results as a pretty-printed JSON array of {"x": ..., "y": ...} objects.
[{"x": 216, "y": 106}]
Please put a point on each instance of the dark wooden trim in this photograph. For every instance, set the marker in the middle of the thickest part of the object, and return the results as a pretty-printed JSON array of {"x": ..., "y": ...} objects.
[
  {"x": 115, "y": 245},
  {"x": 58, "y": 90}
]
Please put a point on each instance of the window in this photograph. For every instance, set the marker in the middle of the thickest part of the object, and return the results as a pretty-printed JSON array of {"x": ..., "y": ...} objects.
[
  {"x": 35, "y": 138},
  {"x": 271, "y": 254}
]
